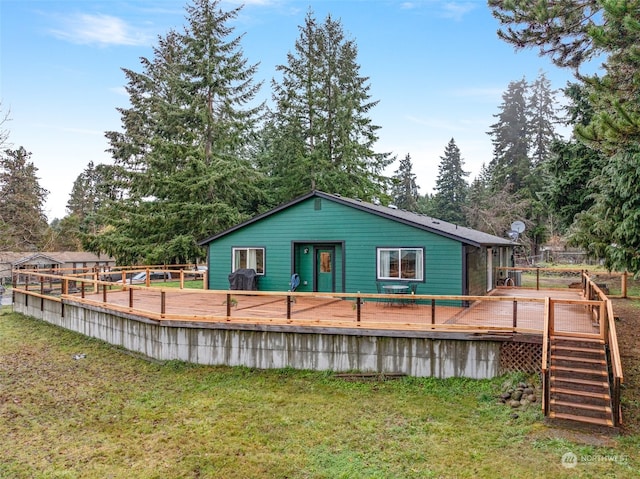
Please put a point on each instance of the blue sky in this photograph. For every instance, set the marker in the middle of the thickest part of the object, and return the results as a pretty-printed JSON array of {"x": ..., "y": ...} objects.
[{"x": 436, "y": 67}]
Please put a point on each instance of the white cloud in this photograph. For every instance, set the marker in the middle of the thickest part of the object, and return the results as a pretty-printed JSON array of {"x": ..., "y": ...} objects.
[
  {"x": 456, "y": 10},
  {"x": 86, "y": 29}
]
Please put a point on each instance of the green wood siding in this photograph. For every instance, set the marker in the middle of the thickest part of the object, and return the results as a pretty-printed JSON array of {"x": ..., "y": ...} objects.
[{"x": 335, "y": 224}]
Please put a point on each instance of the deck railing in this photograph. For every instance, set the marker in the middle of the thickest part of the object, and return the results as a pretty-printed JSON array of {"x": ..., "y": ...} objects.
[
  {"x": 610, "y": 337},
  {"x": 402, "y": 311},
  {"x": 615, "y": 283}
]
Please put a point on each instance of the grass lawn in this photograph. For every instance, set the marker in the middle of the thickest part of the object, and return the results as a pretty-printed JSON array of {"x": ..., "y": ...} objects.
[
  {"x": 111, "y": 414},
  {"x": 188, "y": 283}
]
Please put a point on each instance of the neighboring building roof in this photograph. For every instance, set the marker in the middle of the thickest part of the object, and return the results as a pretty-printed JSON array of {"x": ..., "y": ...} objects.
[
  {"x": 54, "y": 257},
  {"x": 36, "y": 258},
  {"x": 433, "y": 225}
]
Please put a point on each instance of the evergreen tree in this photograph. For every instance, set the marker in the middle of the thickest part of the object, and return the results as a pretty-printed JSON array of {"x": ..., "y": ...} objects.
[
  {"x": 320, "y": 133},
  {"x": 571, "y": 167},
  {"x": 542, "y": 118},
  {"x": 511, "y": 164},
  {"x": 404, "y": 190},
  {"x": 426, "y": 205},
  {"x": 572, "y": 32},
  {"x": 182, "y": 170},
  {"x": 561, "y": 29},
  {"x": 522, "y": 139},
  {"x": 23, "y": 224},
  {"x": 90, "y": 191},
  {"x": 451, "y": 186}
]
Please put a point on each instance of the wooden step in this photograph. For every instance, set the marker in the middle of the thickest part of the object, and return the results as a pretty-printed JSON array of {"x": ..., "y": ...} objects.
[
  {"x": 578, "y": 373},
  {"x": 582, "y": 419},
  {"x": 602, "y": 410},
  {"x": 577, "y": 405},
  {"x": 578, "y": 359},
  {"x": 577, "y": 350},
  {"x": 584, "y": 395},
  {"x": 580, "y": 384},
  {"x": 571, "y": 339}
]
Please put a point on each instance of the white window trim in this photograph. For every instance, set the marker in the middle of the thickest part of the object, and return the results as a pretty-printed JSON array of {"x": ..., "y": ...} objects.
[
  {"x": 419, "y": 266},
  {"x": 248, "y": 249}
]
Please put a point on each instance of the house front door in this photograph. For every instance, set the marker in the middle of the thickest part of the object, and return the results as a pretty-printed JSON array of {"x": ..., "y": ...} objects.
[{"x": 325, "y": 270}]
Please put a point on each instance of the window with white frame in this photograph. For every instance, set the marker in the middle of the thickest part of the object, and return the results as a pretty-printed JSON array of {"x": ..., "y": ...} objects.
[
  {"x": 249, "y": 258},
  {"x": 401, "y": 263}
]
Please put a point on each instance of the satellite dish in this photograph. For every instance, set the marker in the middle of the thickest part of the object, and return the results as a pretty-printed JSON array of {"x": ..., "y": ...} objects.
[
  {"x": 517, "y": 226},
  {"x": 513, "y": 235}
]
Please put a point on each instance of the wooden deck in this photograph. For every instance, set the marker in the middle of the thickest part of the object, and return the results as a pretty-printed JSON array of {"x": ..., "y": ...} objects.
[{"x": 502, "y": 310}]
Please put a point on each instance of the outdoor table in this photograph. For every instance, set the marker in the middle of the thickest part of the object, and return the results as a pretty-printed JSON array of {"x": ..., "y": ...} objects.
[{"x": 396, "y": 289}]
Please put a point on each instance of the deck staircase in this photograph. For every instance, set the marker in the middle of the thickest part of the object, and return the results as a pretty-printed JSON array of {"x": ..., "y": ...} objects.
[{"x": 579, "y": 391}]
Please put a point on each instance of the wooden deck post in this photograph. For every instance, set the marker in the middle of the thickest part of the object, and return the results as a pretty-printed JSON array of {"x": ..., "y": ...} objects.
[
  {"x": 104, "y": 293},
  {"x": 616, "y": 402},
  {"x": 537, "y": 279},
  {"x": 604, "y": 322},
  {"x": 42, "y": 293},
  {"x": 228, "y": 306},
  {"x": 163, "y": 303},
  {"x": 515, "y": 314},
  {"x": 288, "y": 307},
  {"x": 358, "y": 309},
  {"x": 131, "y": 298},
  {"x": 546, "y": 333},
  {"x": 433, "y": 311}
]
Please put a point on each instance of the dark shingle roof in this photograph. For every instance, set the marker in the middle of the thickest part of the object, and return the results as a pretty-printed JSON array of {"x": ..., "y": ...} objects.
[
  {"x": 433, "y": 225},
  {"x": 450, "y": 230}
]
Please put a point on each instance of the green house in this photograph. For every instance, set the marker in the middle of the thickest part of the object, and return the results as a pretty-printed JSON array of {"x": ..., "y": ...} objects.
[{"x": 337, "y": 244}]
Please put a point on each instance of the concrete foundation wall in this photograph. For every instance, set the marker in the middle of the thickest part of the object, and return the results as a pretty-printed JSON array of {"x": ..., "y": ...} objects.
[{"x": 266, "y": 347}]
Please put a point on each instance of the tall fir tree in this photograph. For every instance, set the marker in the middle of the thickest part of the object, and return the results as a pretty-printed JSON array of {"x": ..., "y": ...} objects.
[
  {"x": 451, "y": 186},
  {"x": 542, "y": 119},
  {"x": 23, "y": 223},
  {"x": 321, "y": 135},
  {"x": 511, "y": 164},
  {"x": 182, "y": 167},
  {"x": 404, "y": 190}
]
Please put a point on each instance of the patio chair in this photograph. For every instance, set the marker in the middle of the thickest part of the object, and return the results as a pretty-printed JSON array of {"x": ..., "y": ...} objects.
[
  {"x": 295, "y": 281},
  {"x": 380, "y": 289}
]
